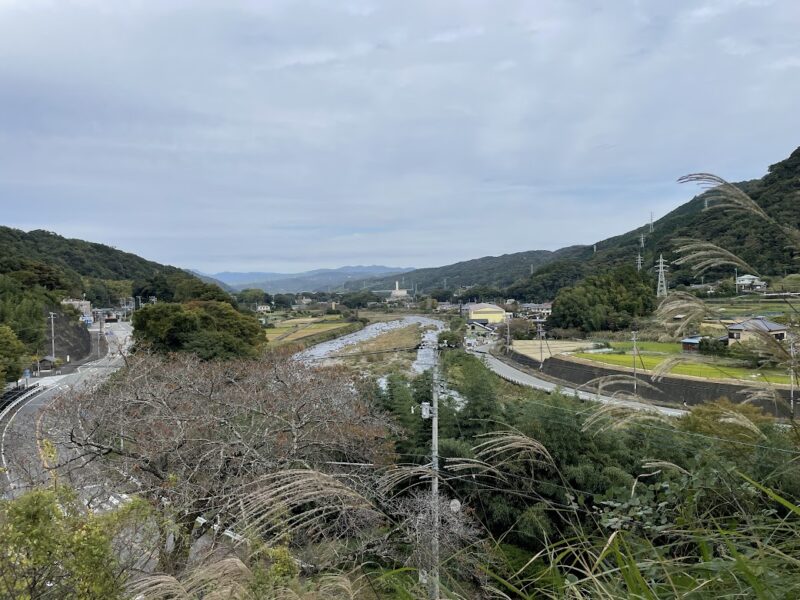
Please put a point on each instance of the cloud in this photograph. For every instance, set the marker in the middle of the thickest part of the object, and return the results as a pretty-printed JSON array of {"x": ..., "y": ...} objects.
[{"x": 304, "y": 133}]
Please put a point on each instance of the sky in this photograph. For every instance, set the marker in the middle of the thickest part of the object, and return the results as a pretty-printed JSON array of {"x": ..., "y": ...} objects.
[{"x": 282, "y": 135}]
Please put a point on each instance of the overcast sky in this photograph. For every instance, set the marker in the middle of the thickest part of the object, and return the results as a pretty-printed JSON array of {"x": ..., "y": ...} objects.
[{"x": 288, "y": 135}]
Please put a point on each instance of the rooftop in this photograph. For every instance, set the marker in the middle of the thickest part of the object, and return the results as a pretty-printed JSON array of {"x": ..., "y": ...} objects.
[{"x": 757, "y": 324}]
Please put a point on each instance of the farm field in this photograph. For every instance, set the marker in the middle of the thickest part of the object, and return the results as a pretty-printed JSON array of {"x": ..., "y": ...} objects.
[
  {"x": 648, "y": 362},
  {"x": 292, "y": 330},
  {"x": 535, "y": 350},
  {"x": 660, "y": 347}
]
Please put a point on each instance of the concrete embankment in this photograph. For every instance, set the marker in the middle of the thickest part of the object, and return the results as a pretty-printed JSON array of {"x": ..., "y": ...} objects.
[{"x": 669, "y": 390}]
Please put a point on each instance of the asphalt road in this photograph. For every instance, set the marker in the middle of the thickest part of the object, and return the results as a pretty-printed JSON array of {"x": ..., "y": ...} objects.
[
  {"x": 522, "y": 378},
  {"x": 20, "y": 425}
]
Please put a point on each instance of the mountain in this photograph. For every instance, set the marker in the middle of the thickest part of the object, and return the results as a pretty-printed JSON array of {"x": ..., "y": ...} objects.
[
  {"x": 492, "y": 271},
  {"x": 754, "y": 240},
  {"x": 308, "y": 281},
  {"x": 40, "y": 268},
  {"x": 759, "y": 243},
  {"x": 211, "y": 280}
]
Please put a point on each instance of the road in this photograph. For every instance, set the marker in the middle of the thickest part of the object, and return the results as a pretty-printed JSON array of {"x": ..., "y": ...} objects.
[
  {"x": 522, "y": 378},
  {"x": 20, "y": 424}
]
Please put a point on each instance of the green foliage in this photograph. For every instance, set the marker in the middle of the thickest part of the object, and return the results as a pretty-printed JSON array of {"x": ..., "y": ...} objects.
[
  {"x": 251, "y": 296},
  {"x": 610, "y": 301},
  {"x": 545, "y": 283},
  {"x": 359, "y": 299},
  {"x": 50, "y": 549},
  {"x": 491, "y": 271},
  {"x": 210, "y": 329},
  {"x": 11, "y": 352}
]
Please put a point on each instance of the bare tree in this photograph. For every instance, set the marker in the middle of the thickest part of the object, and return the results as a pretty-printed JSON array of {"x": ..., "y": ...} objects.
[{"x": 190, "y": 436}]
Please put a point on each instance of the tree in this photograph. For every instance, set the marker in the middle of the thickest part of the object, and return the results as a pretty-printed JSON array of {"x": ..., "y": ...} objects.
[
  {"x": 253, "y": 296},
  {"x": 50, "y": 548},
  {"x": 11, "y": 352},
  {"x": 609, "y": 301},
  {"x": 210, "y": 329},
  {"x": 194, "y": 436}
]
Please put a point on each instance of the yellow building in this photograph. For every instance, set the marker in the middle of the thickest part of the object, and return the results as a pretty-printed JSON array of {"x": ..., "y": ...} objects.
[{"x": 485, "y": 313}]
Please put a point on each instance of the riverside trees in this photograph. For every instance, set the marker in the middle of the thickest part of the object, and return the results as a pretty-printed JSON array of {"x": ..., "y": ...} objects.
[{"x": 192, "y": 437}]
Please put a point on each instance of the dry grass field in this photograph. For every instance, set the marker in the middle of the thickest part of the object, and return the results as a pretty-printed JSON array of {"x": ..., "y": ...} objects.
[
  {"x": 535, "y": 349},
  {"x": 374, "y": 358}
]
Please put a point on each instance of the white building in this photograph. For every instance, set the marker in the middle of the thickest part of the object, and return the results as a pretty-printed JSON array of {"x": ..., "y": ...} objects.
[
  {"x": 397, "y": 293},
  {"x": 750, "y": 282}
]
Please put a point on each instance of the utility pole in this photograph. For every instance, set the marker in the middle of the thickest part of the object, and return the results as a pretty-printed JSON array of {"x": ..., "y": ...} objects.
[
  {"x": 434, "y": 573},
  {"x": 791, "y": 375},
  {"x": 662, "y": 278},
  {"x": 508, "y": 336},
  {"x": 736, "y": 279},
  {"x": 53, "y": 335},
  {"x": 540, "y": 332},
  {"x": 433, "y": 567},
  {"x": 635, "y": 381}
]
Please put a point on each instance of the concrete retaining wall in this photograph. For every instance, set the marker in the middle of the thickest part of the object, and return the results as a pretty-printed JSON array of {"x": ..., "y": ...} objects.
[{"x": 669, "y": 390}]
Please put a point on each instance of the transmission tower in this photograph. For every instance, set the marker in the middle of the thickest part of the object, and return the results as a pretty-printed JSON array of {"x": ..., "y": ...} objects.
[
  {"x": 662, "y": 277},
  {"x": 641, "y": 240},
  {"x": 651, "y": 222},
  {"x": 639, "y": 261}
]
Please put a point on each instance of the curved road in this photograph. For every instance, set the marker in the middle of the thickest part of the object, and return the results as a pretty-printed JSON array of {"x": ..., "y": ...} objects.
[{"x": 20, "y": 422}]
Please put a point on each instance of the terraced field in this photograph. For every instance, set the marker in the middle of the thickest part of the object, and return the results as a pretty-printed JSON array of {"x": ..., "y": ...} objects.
[{"x": 292, "y": 330}]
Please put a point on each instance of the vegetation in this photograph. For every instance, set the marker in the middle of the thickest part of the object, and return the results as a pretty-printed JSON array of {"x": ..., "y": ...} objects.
[
  {"x": 610, "y": 301},
  {"x": 51, "y": 548},
  {"x": 210, "y": 329},
  {"x": 490, "y": 271}
]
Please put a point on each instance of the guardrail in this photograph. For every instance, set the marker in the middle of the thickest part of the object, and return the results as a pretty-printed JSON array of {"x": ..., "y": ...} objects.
[{"x": 29, "y": 393}]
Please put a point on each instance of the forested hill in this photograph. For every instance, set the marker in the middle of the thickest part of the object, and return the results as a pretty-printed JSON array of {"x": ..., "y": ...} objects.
[
  {"x": 748, "y": 236},
  {"x": 754, "y": 240},
  {"x": 39, "y": 268},
  {"x": 72, "y": 259},
  {"x": 494, "y": 271}
]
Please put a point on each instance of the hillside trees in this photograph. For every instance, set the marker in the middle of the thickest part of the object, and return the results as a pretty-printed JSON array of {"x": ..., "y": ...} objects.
[
  {"x": 609, "y": 301},
  {"x": 210, "y": 329},
  {"x": 11, "y": 352},
  {"x": 545, "y": 283}
]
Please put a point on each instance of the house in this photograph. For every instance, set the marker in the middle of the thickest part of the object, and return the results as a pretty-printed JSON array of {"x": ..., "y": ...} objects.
[
  {"x": 691, "y": 343},
  {"x": 752, "y": 329},
  {"x": 263, "y": 308},
  {"x": 750, "y": 282},
  {"x": 48, "y": 363},
  {"x": 538, "y": 312},
  {"x": 483, "y": 313}
]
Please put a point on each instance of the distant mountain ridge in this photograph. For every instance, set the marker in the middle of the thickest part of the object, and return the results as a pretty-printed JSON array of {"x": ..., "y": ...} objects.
[
  {"x": 537, "y": 275},
  {"x": 493, "y": 271},
  {"x": 307, "y": 281}
]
